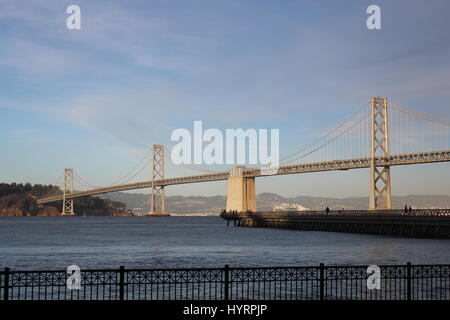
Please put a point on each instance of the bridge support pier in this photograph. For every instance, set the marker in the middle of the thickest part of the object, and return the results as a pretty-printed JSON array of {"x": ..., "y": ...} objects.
[
  {"x": 67, "y": 209},
  {"x": 380, "y": 177},
  {"x": 241, "y": 194}
]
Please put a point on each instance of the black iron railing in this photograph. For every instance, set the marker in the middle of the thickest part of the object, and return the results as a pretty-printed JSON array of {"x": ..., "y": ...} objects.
[{"x": 396, "y": 282}]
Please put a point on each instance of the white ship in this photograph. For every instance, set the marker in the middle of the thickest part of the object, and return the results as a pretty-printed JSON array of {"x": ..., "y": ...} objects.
[{"x": 289, "y": 207}]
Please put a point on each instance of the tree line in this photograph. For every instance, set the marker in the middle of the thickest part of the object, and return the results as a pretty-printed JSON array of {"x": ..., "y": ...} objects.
[{"x": 37, "y": 190}]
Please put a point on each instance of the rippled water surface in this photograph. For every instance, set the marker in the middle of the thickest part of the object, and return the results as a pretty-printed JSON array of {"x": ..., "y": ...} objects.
[{"x": 161, "y": 242}]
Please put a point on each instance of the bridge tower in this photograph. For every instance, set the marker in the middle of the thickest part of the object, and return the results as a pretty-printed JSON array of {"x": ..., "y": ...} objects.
[
  {"x": 67, "y": 209},
  {"x": 380, "y": 177},
  {"x": 157, "y": 206}
]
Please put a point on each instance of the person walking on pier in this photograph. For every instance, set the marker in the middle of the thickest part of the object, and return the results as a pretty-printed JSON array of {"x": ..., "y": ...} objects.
[{"x": 327, "y": 210}]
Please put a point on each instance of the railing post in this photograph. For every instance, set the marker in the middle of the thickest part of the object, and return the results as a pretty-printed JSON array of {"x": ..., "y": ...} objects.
[
  {"x": 322, "y": 281},
  {"x": 227, "y": 281},
  {"x": 408, "y": 280},
  {"x": 6, "y": 285},
  {"x": 121, "y": 282}
]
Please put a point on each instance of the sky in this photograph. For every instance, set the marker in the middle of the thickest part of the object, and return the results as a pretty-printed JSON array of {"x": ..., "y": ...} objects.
[{"x": 97, "y": 98}]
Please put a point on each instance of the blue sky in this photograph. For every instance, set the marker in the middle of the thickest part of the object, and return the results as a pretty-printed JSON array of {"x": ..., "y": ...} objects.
[{"x": 95, "y": 99}]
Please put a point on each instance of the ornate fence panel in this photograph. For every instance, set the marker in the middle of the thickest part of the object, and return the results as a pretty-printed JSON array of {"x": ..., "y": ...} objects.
[
  {"x": 399, "y": 282},
  {"x": 281, "y": 283},
  {"x": 175, "y": 284},
  {"x": 52, "y": 285},
  {"x": 430, "y": 282},
  {"x": 350, "y": 283}
]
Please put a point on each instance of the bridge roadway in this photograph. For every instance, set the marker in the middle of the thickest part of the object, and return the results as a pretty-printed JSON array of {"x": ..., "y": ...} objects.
[{"x": 358, "y": 163}]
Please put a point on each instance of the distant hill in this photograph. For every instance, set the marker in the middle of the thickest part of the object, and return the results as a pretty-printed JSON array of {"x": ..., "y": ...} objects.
[
  {"x": 268, "y": 201},
  {"x": 20, "y": 200},
  {"x": 174, "y": 204}
]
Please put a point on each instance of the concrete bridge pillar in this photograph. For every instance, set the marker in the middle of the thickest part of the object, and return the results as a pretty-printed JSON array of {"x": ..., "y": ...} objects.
[{"x": 241, "y": 194}]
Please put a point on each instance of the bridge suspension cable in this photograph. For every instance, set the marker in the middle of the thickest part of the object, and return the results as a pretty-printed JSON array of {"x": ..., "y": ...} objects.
[
  {"x": 345, "y": 135},
  {"x": 133, "y": 176},
  {"x": 129, "y": 175},
  {"x": 409, "y": 132},
  {"x": 59, "y": 180},
  {"x": 140, "y": 166},
  {"x": 58, "y": 183},
  {"x": 345, "y": 140},
  {"x": 412, "y": 131},
  {"x": 83, "y": 182},
  {"x": 191, "y": 166},
  {"x": 136, "y": 170}
]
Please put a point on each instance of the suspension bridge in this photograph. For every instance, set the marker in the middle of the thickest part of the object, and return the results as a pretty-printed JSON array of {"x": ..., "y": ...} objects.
[{"x": 378, "y": 136}]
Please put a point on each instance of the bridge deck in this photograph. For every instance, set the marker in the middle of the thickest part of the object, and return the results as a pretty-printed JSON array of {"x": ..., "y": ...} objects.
[{"x": 358, "y": 163}]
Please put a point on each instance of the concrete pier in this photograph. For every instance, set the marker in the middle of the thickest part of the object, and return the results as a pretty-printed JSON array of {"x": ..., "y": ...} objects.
[
  {"x": 434, "y": 223},
  {"x": 241, "y": 194}
]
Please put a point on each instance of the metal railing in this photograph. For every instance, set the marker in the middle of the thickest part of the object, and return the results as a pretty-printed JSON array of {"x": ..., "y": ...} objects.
[{"x": 397, "y": 282}]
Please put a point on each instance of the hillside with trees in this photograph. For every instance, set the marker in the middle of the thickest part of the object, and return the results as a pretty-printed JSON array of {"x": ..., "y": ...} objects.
[{"x": 17, "y": 199}]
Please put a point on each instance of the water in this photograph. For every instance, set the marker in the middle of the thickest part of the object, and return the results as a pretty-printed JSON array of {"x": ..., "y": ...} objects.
[{"x": 175, "y": 242}]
